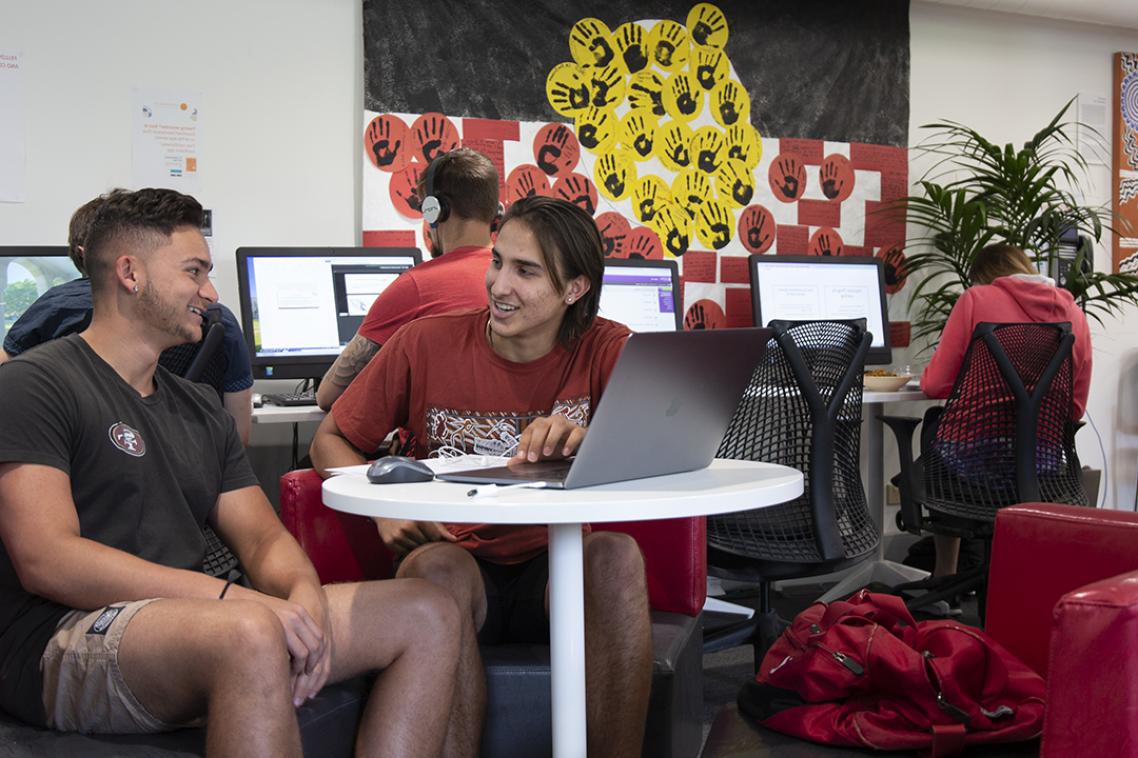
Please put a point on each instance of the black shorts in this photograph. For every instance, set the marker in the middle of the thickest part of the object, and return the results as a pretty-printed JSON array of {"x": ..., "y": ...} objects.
[{"x": 515, "y": 601}]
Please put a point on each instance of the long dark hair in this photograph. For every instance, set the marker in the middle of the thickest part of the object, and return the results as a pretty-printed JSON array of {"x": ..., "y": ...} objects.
[{"x": 571, "y": 246}]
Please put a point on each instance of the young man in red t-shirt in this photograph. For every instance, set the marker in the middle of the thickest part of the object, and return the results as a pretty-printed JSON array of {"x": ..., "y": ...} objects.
[
  {"x": 520, "y": 378},
  {"x": 468, "y": 183}
]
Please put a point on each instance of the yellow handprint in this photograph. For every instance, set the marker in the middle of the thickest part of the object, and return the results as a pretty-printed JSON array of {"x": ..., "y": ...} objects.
[
  {"x": 566, "y": 89},
  {"x": 683, "y": 98},
  {"x": 651, "y": 193},
  {"x": 668, "y": 45},
  {"x": 673, "y": 145},
  {"x": 707, "y": 147},
  {"x": 591, "y": 44},
  {"x": 730, "y": 104},
  {"x": 707, "y": 25},
  {"x": 638, "y": 133}
]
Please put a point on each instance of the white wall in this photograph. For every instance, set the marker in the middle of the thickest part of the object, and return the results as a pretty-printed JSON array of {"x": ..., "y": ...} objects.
[
  {"x": 1007, "y": 76},
  {"x": 282, "y": 90},
  {"x": 281, "y": 86}
]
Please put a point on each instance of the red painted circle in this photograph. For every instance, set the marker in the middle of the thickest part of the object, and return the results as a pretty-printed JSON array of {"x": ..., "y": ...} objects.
[
  {"x": 433, "y": 134},
  {"x": 614, "y": 230},
  {"x": 577, "y": 189},
  {"x": 757, "y": 228},
  {"x": 556, "y": 149},
  {"x": 826, "y": 241},
  {"x": 525, "y": 180},
  {"x": 787, "y": 177},
  {"x": 644, "y": 243},
  {"x": 402, "y": 190},
  {"x": 704, "y": 314},
  {"x": 836, "y": 177},
  {"x": 387, "y": 143}
]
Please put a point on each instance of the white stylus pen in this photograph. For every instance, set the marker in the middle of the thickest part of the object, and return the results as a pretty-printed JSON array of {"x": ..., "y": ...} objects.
[{"x": 487, "y": 490}]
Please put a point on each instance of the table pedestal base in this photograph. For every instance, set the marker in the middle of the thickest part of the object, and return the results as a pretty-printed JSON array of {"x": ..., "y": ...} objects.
[{"x": 567, "y": 639}]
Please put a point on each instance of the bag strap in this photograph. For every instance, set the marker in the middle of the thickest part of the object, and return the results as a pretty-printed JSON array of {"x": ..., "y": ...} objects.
[{"x": 948, "y": 739}]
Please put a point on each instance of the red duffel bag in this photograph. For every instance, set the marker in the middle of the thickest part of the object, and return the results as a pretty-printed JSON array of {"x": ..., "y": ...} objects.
[{"x": 863, "y": 673}]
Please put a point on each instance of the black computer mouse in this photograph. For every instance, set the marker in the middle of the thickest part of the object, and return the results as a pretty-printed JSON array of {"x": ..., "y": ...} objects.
[{"x": 396, "y": 469}]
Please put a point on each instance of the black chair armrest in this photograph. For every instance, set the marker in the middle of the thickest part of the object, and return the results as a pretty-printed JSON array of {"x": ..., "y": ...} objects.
[{"x": 909, "y": 482}]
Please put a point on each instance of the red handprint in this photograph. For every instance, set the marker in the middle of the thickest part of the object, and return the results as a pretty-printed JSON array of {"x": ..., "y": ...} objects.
[
  {"x": 403, "y": 190},
  {"x": 526, "y": 180},
  {"x": 384, "y": 140},
  {"x": 577, "y": 189},
  {"x": 826, "y": 241},
  {"x": 756, "y": 228},
  {"x": 644, "y": 243},
  {"x": 837, "y": 177},
  {"x": 787, "y": 177},
  {"x": 614, "y": 229},
  {"x": 704, "y": 314},
  {"x": 434, "y": 135},
  {"x": 555, "y": 149}
]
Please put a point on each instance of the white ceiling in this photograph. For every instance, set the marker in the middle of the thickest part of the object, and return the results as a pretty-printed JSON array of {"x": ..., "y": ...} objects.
[{"x": 1116, "y": 13}]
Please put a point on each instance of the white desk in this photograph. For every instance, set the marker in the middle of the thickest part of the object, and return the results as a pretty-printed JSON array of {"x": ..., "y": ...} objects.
[
  {"x": 288, "y": 414},
  {"x": 279, "y": 414},
  {"x": 723, "y": 487}
]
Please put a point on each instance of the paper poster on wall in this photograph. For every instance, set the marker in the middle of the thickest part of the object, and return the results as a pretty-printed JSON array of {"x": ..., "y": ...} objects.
[
  {"x": 166, "y": 140},
  {"x": 1125, "y": 165},
  {"x": 12, "y": 128}
]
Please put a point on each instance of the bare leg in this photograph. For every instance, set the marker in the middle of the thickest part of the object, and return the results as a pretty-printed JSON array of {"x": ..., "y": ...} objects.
[
  {"x": 186, "y": 658},
  {"x": 454, "y": 569},
  {"x": 618, "y": 644},
  {"x": 412, "y": 631},
  {"x": 947, "y": 552}
]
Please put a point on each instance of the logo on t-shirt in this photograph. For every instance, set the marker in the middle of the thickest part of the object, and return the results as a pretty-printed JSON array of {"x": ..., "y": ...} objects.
[{"x": 127, "y": 439}]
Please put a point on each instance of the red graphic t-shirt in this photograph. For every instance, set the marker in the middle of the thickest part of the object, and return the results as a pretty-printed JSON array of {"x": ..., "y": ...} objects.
[{"x": 439, "y": 378}]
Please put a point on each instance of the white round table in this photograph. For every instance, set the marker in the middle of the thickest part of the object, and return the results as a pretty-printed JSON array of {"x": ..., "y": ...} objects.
[{"x": 723, "y": 487}]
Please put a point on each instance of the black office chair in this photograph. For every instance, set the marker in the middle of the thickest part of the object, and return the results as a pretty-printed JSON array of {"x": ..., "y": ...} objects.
[
  {"x": 1004, "y": 436},
  {"x": 802, "y": 409}
]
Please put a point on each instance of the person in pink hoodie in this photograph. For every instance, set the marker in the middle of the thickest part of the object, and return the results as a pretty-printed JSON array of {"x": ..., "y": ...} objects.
[{"x": 1006, "y": 288}]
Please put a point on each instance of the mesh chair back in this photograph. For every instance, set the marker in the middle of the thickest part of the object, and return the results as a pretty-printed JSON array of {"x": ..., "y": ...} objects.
[
  {"x": 803, "y": 409},
  {"x": 206, "y": 358},
  {"x": 1006, "y": 434}
]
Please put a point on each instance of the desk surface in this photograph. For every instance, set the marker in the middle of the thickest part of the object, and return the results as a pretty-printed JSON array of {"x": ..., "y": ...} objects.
[
  {"x": 279, "y": 414},
  {"x": 723, "y": 487}
]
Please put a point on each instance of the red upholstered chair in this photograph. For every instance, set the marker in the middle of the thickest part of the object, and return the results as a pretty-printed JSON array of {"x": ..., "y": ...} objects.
[
  {"x": 347, "y": 548},
  {"x": 1063, "y": 597}
]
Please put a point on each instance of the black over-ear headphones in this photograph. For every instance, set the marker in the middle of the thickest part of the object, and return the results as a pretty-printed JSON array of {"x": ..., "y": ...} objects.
[{"x": 435, "y": 207}]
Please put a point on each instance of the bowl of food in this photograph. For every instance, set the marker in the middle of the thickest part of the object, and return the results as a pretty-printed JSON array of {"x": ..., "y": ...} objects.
[{"x": 885, "y": 380}]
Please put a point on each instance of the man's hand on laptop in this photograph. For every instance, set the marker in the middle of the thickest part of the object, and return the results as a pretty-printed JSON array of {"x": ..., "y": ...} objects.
[
  {"x": 548, "y": 437},
  {"x": 401, "y": 537}
]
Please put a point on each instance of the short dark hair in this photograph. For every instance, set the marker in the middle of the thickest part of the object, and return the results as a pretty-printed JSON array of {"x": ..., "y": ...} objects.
[
  {"x": 79, "y": 228},
  {"x": 135, "y": 222},
  {"x": 469, "y": 182},
  {"x": 999, "y": 259},
  {"x": 571, "y": 246}
]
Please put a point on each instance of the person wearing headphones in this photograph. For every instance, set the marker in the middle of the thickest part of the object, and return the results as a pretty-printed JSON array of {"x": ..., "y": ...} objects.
[
  {"x": 459, "y": 192},
  {"x": 521, "y": 376}
]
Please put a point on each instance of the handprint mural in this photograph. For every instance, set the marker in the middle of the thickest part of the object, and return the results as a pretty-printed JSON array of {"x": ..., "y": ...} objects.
[{"x": 657, "y": 126}]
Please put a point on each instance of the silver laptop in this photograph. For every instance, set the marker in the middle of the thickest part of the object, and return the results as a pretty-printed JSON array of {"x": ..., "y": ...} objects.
[{"x": 665, "y": 410}]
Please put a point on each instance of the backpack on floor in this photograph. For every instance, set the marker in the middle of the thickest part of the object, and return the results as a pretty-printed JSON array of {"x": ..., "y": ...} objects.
[{"x": 862, "y": 673}]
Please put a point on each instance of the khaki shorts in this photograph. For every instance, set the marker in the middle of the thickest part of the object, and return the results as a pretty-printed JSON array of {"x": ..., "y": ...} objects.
[{"x": 83, "y": 688}]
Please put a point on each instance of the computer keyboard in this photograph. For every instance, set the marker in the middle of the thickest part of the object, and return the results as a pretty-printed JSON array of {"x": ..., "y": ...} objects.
[{"x": 296, "y": 398}]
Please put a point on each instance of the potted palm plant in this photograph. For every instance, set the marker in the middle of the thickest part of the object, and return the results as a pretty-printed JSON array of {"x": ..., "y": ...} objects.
[{"x": 977, "y": 192}]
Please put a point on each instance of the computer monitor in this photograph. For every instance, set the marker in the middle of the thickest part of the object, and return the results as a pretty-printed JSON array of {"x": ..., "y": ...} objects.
[
  {"x": 642, "y": 295},
  {"x": 810, "y": 287},
  {"x": 301, "y": 305},
  {"x": 25, "y": 274}
]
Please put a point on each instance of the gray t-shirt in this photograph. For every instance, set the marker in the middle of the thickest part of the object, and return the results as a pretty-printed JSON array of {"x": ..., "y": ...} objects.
[{"x": 145, "y": 472}]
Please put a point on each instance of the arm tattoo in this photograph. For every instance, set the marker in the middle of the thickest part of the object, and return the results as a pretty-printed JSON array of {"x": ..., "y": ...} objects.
[{"x": 352, "y": 360}]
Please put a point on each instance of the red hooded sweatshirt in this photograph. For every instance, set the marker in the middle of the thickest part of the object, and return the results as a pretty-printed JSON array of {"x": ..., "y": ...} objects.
[{"x": 1018, "y": 298}]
